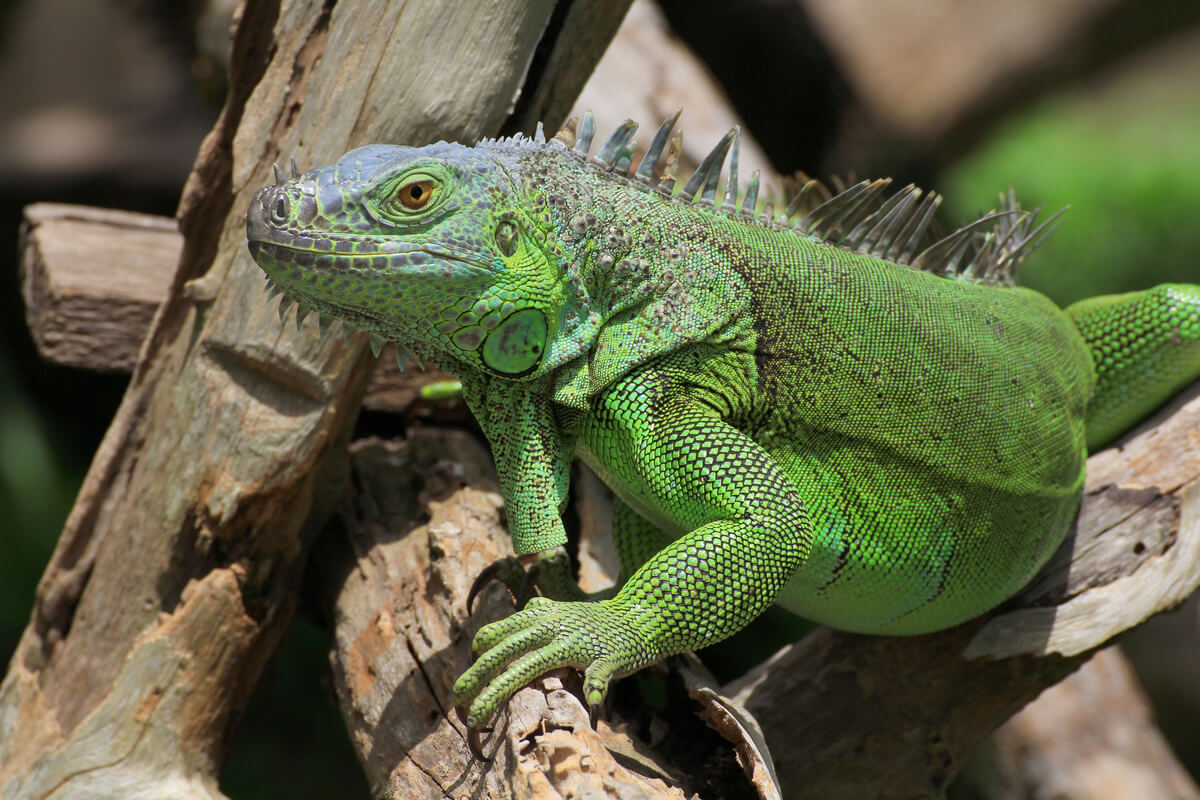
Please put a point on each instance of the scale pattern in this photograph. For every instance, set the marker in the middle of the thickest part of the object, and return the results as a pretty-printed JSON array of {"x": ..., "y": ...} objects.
[{"x": 820, "y": 407}]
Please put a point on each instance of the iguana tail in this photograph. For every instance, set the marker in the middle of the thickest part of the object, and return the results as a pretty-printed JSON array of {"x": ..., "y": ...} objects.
[{"x": 1145, "y": 348}]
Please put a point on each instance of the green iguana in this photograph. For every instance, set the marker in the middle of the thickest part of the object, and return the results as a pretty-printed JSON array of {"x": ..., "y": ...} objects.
[{"x": 812, "y": 408}]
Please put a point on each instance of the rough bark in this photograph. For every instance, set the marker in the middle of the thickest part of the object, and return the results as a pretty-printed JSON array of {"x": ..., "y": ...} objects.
[
  {"x": 845, "y": 715},
  {"x": 174, "y": 577}
]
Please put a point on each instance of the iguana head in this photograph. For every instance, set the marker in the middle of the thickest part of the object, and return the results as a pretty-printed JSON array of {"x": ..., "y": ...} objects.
[{"x": 433, "y": 247}]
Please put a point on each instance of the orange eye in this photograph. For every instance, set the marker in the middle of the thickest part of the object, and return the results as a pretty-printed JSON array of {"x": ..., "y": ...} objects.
[{"x": 416, "y": 195}]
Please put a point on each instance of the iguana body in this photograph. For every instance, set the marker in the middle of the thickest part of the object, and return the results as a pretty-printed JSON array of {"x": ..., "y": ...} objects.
[{"x": 882, "y": 441}]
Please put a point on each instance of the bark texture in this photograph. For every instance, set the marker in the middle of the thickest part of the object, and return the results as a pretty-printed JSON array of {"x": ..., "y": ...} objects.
[{"x": 177, "y": 570}]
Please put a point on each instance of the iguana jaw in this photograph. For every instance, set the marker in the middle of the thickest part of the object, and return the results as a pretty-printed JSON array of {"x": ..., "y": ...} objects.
[{"x": 323, "y": 280}]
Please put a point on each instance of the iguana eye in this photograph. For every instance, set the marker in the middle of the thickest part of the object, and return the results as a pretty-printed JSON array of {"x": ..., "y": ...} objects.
[
  {"x": 416, "y": 195},
  {"x": 506, "y": 237}
]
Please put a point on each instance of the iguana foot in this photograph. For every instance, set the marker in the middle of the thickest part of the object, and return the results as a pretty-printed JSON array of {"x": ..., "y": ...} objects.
[
  {"x": 594, "y": 637},
  {"x": 549, "y": 571}
]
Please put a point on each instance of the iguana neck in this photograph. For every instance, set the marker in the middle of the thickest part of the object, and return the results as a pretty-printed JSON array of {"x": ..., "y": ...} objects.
[{"x": 633, "y": 269}]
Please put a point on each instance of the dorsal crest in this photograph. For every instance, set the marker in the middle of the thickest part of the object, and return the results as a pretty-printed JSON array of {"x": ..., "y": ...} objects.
[{"x": 861, "y": 218}]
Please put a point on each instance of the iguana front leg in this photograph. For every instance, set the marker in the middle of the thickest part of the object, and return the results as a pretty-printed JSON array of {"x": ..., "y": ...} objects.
[
  {"x": 533, "y": 461},
  {"x": 746, "y": 532}
]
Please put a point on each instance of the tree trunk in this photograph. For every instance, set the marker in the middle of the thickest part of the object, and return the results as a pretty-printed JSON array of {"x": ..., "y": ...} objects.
[{"x": 176, "y": 574}]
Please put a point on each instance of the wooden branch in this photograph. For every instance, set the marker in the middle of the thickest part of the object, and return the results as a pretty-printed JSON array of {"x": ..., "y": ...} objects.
[
  {"x": 1091, "y": 736},
  {"x": 93, "y": 278},
  {"x": 845, "y": 715},
  {"x": 175, "y": 576}
]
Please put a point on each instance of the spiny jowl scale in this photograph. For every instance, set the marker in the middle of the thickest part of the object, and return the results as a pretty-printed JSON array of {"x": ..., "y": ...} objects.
[{"x": 817, "y": 407}]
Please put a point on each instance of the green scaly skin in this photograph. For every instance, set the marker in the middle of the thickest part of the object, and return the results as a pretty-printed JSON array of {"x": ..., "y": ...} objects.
[{"x": 873, "y": 446}]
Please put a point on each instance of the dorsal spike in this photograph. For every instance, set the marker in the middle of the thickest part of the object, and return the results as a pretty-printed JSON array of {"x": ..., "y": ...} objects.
[
  {"x": 625, "y": 159},
  {"x": 347, "y": 333},
  {"x": 292, "y": 164},
  {"x": 768, "y": 215},
  {"x": 977, "y": 263},
  {"x": 832, "y": 207},
  {"x": 874, "y": 234},
  {"x": 539, "y": 134},
  {"x": 279, "y": 178},
  {"x": 324, "y": 323},
  {"x": 645, "y": 170},
  {"x": 708, "y": 195},
  {"x": 611, "y": 151},
  {"x": 285, "y": 303},
  {"x": 377, "y": 342},
  {"x": 729, "y": 205},
  {"x": 711, "y": 164},
  {"x": 1033, "y": 240},
  {"x": 751, "y": 198},
  {"x": 836, "y": 217},
  {"x": 302, "y": 312},
  {"x": 587, "y": 129},
  {"x": 949, "y": 249},
  {"x": 803, "y": 195},
  {"x": 670, "y": 172},
  {"x": 401, "y": 355},
  {"x": 910, "y": 238}
]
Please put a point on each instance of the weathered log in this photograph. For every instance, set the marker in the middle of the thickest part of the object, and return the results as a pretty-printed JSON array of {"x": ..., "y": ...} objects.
[
  {"x": 175, "y": 576},
  {"x": 845, "y": 715},
  {"x": 423, "y": 519}
]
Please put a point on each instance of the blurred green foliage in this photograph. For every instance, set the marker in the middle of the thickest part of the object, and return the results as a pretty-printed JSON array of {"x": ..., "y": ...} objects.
[
  {"x": 1125, "y": 158},
  {"x": 36, "y": 493}
]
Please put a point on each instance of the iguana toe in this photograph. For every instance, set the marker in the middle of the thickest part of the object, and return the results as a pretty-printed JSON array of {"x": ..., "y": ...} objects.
[{"x": 591, "y": 636}]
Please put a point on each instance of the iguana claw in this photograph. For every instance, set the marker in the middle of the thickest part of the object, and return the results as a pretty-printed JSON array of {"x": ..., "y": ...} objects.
[
  {"x": 489, "y": 574},
  {"x": 595, "y": 713},
  {"x": 548, "y": 571},
  {"x": 475, "y": 744},
  {"x": 525, "y": 590},
  {"x": 597, "y": 637}
]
